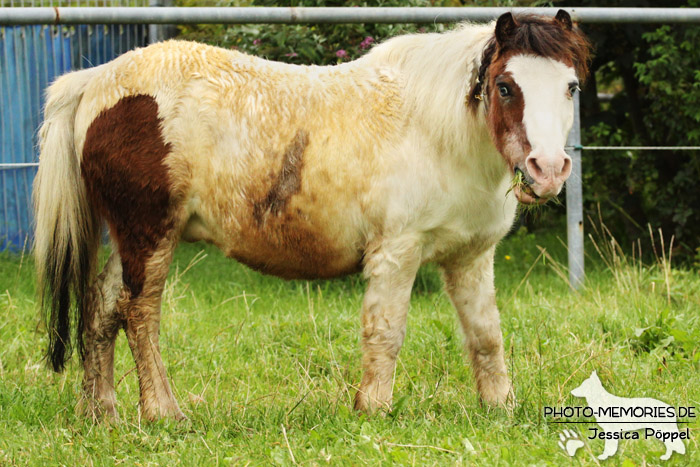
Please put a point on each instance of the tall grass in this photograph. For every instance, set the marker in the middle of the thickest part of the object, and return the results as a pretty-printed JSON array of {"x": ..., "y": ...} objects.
[{"x": 266, "y": 369}]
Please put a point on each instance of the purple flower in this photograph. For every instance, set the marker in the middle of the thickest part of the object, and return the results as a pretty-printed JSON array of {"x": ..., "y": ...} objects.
[
  {"x": 291, "y": 54},
  {"x": 256, "y": 42},
  {"x": 366, "y": 42},
  {"x": 341, "y": 53}
]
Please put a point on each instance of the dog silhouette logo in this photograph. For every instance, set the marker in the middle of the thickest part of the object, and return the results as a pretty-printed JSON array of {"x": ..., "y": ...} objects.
[{"x": 624, "y": 417}]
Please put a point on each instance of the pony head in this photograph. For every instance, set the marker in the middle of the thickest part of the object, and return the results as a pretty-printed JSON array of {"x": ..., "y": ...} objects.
[
  {"x": 529, "y": 72},
  {"x": 588, "y": 387}
]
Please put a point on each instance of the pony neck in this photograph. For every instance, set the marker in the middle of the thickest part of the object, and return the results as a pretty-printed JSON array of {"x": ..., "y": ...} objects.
[{"x": 438, "y": 72}]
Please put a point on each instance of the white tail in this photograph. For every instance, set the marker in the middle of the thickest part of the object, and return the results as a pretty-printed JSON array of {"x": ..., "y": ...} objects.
[{"x": 67, "y": 229}]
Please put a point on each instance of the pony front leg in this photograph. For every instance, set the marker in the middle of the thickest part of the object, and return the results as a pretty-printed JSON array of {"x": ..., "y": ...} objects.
[
  {"x": 469, "y": 284},
  {"x": 142, "y": 330},
  {"x": 391, "y": 270},
  {"x": 102, "y": 323}
]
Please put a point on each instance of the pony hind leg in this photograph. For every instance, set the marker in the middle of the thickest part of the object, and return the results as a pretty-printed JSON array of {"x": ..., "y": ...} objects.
[
  {"x": 142, "y": 312},
  {"x": 102, "y": 322},
  {"x": 127, "y": 176}
]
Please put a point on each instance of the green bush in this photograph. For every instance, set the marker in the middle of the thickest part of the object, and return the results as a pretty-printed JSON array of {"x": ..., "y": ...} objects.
[{"x": 318, "y": 44}]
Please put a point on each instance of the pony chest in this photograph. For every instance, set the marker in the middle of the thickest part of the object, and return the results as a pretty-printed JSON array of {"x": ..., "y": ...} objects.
[{"x": 471, "y": 223}]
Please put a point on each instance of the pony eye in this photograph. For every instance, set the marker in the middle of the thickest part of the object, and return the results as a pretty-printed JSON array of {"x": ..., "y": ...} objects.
[
  {"x": 504, "y": 90},
  {"x": 573, "y": 87}
]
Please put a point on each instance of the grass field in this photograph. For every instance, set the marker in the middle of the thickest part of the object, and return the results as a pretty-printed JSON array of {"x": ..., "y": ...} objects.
[{"x": 266, "y": 369}]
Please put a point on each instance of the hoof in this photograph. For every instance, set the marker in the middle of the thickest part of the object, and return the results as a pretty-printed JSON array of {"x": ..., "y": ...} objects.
[
  {"x": 153, "y": 415},
  {"x": 98, "y": 411},
  {"x": 370, "y": 407},
  {"x": 503, "y": 398}
]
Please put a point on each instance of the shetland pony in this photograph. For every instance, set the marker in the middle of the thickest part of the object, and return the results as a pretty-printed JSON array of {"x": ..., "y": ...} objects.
[{"x": 402, "y": 157}]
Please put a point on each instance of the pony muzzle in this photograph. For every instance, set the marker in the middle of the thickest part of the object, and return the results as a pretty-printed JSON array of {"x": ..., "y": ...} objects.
[{"x": 545, "y": 177}]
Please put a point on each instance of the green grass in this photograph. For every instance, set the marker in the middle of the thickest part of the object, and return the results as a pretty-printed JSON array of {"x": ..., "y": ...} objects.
[{"x": 266, "y": 369}]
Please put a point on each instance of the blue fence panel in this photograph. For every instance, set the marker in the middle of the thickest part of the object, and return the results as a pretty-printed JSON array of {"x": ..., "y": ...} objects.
[
  {"x": 31, "y": 57},
  {"x": 21, "y": 60}
]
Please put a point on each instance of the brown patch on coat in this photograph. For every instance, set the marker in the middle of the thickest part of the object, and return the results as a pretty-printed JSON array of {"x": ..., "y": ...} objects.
[
  {"x": 505, "y": 116},
  {"x": 288, "y": 181},
  {"x": 127, "y": 180}
]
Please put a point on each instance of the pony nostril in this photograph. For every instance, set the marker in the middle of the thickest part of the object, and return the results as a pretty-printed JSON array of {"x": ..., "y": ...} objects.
[
  {"x": 566, "y": 168},
  {"x": 534, "y": 168}
]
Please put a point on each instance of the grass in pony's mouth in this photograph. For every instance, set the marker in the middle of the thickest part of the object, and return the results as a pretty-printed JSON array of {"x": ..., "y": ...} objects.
[
  {"x": 519, "y": 182},
  {"x": 527, "y": 189}
]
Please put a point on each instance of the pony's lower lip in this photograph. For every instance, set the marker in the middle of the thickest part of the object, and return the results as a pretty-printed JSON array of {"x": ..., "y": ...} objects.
[{"x": 526, "y": 195}]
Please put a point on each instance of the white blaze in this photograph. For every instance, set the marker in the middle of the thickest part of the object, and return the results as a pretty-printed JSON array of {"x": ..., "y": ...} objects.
[{"x": 549, "y": 110}]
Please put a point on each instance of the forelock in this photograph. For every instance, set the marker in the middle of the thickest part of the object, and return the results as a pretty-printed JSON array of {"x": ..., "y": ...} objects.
[{"x": 536, "y": 35}]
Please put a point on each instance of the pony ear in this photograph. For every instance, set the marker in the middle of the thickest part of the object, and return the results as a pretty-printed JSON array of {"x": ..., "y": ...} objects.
[
  {"x": 505, "y": 27},
  {"x": 564, "y": 20}
]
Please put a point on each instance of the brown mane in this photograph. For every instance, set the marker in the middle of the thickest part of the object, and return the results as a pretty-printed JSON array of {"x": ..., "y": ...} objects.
[{"x": 541, "y": 36}]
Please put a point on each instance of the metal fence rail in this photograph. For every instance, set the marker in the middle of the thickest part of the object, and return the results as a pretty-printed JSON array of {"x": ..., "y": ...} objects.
[{"x": 298, "y": 15}]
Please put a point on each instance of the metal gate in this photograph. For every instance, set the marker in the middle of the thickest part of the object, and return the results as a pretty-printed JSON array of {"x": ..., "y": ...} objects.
[{"x": 31, "y": 57}]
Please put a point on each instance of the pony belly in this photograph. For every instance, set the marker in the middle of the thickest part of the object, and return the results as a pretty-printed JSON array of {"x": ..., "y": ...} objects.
[
  {"x": 293, "y": 249},
  {"x": 285, "y": 245}
]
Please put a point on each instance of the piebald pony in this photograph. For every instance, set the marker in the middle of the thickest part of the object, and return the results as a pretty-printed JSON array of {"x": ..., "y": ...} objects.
[{"x": 402, "y": 157}]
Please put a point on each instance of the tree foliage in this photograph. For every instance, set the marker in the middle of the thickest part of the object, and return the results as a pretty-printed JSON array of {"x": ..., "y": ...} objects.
[{"x": 652, "y": 72}]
